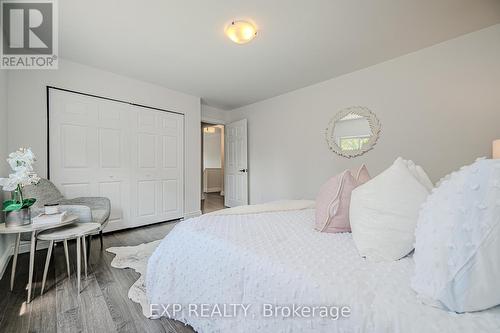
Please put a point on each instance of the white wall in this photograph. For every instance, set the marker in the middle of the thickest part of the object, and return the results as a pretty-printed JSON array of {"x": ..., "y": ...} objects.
[
  {"x": 28, "y": 112},
  {"x": 213, "y": 115},
  {"x": 5, "y": 242},
  {"x": 439, "y": 106},
  {"x": 212, "y": 149},
  {"x": 4, "y": 166}
]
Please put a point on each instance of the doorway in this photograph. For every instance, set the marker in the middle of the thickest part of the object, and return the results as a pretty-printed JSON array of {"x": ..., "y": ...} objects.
[{"x": 212, "y": 167}]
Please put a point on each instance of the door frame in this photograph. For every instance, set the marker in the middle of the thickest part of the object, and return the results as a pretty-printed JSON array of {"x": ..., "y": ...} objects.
[{"x": 213, "y": 122}]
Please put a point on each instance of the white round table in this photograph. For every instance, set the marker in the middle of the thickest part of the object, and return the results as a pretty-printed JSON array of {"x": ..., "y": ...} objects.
[
  {"x": 76, "y": 231},
  {"x": 33, "y": 229}
]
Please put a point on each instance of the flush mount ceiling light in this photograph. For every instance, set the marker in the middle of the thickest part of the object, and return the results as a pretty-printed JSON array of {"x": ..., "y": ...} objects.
[{"x": 241, "y": 32}]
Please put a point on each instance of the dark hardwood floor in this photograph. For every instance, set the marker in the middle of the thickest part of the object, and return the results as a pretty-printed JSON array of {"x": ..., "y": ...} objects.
[
  {"x": 103, "y": 305},
  {"x": 213, "y": 201}
]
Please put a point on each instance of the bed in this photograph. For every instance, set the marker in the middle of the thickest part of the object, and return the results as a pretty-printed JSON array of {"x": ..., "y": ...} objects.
[{"x": 277, "y": 258}]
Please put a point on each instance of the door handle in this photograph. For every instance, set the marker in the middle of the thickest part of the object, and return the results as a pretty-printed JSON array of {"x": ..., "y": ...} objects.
[{"x": 243, "y": 170}]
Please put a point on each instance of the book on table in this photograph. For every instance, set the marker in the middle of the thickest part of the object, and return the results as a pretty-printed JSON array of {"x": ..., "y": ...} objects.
[{"x": 49, "y": 218}]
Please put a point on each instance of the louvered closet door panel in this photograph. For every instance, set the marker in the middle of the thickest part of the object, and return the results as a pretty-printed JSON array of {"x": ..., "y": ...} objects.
[
  {"x": 132, "y": 155},
  {"x": 157, "y": 158}
]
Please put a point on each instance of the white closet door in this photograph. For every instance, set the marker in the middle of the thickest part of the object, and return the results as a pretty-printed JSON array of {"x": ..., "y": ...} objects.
[
  {"x": 94, "y": 146},
  {"x": 157, "y": 165}
]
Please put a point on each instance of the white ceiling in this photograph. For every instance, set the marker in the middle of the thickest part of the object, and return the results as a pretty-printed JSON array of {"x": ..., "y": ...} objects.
[{"x": 180, "y": 44}]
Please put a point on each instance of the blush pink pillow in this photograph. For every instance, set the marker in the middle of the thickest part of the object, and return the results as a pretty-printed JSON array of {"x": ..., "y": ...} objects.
[{"x": 334, "y": 198}]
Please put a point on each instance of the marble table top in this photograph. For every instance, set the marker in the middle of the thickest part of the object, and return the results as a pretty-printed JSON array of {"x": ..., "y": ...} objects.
[
  {"x": 69, "y": 232},
  {"x": 67, "y": 220}
]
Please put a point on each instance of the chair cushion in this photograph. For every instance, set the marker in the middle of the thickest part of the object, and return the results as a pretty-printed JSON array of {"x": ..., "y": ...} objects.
[
  {"x": 44, "y": 192},
  {"x": 100, "y": 215},
  {"x": 100, "y": 207},
  {"x": 83, "y": 212}
]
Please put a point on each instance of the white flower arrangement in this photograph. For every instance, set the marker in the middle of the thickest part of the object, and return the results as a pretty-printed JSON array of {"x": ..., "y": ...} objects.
[{"x": 21, "y": 162}]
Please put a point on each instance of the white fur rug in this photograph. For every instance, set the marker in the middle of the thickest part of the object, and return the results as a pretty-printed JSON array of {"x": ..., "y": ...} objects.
[{"x": 135, "y": 257}]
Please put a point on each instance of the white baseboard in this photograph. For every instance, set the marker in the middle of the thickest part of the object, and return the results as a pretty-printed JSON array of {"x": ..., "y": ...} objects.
[
  {"x": 213, "y": 189},
  {"x": 192, "y": 214}
]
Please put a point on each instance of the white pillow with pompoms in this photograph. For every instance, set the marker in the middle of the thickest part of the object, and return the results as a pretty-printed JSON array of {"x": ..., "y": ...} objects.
[{"x": 457, "y": 251}]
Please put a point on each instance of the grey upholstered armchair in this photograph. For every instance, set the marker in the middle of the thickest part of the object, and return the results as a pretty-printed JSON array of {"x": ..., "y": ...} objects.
[{"x": 46, "y": 193}]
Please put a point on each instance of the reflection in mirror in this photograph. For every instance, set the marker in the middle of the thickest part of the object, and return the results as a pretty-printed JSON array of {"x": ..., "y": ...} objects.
[{"x": 353, "y": 131}]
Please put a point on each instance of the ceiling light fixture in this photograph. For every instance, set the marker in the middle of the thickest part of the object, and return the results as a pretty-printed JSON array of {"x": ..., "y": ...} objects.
[{"x": 241, "y": 32}]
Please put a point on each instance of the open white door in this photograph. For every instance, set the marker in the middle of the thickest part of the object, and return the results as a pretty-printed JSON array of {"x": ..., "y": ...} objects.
[{"x": 236, "y": 164}]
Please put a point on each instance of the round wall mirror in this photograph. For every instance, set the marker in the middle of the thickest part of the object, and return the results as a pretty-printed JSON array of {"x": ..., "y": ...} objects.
[{"x": 353, "y": 131}]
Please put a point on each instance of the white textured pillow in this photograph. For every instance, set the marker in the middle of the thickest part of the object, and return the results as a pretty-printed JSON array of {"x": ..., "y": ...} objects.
[
  {"x": 457, "y": 253},
  {"x": 384, "y": 212},
  {"x": 419, "y": 174}
]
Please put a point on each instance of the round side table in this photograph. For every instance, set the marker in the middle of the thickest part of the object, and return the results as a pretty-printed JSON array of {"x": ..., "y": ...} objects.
[
  {"x": 33, "y": 229},
  {"x": 76, "y": 231}
]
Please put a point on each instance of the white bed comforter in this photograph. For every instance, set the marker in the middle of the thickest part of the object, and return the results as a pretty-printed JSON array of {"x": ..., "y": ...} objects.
[{"x": 278, "y": 258}]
